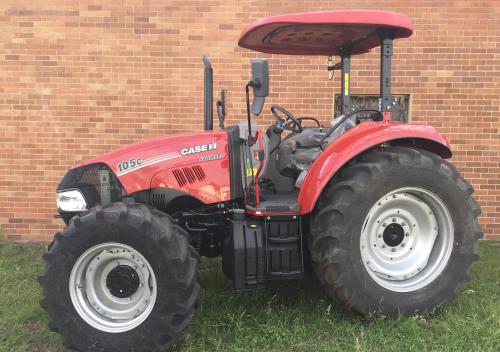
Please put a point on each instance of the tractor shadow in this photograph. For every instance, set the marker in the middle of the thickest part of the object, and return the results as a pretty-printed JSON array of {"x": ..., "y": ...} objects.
[
  {"x": 283, "y": 293},
  {"x": 225, "y": 315},
  {"x": 286, "y": 293}
]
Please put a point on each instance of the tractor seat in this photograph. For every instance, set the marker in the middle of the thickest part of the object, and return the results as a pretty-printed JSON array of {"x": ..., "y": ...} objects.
[{"x": 299, "y": 151}]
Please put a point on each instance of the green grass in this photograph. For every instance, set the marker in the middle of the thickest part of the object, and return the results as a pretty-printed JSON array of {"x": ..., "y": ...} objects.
[{"x": 286, "y": 316}]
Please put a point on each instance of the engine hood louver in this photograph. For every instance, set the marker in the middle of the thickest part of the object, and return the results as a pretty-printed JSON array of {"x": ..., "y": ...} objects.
[{"x": 190, "y": 175}]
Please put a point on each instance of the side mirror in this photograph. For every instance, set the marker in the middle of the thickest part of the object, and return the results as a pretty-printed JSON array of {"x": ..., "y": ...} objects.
[{"x": 260, "y": 83}]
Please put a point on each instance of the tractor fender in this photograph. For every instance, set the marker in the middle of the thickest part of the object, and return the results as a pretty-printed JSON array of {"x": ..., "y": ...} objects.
[
  {"x": 359, "y": 139},
  {"x": 167, "y": 199}
]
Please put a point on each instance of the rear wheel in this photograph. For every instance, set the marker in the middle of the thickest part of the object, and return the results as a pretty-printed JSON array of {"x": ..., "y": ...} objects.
[
  {"x": 120, "y": 278},
  {"x": 394, "y": 231}
]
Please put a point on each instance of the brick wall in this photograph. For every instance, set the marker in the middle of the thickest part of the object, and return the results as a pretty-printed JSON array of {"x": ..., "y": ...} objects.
[{"x": 79, "y": 78}]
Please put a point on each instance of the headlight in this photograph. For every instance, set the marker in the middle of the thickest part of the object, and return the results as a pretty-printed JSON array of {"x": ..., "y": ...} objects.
[{"x": 71, "y": 201}]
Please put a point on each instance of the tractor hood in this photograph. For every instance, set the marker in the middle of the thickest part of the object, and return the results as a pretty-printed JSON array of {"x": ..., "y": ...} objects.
[
  {"x": 191, "y": 163},
  {"x": 170, "y": 147}
]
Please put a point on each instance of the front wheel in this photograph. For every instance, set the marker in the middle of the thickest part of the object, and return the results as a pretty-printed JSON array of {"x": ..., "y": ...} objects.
[
  {"x": 395, "y": 231},
  {"x": 120, "y": 278}
]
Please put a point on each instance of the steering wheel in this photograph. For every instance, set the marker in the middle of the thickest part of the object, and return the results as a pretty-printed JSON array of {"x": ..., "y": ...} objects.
[{"x": 291, "y": 123}]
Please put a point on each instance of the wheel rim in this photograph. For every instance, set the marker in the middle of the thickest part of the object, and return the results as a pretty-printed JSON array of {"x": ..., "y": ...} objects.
[
  {"x": 406, "y": 239},
  {"x": 112, "y": 287}
]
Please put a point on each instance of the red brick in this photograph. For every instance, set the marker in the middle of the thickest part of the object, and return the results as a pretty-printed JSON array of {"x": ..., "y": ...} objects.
[{"x": 84, "y": 79}]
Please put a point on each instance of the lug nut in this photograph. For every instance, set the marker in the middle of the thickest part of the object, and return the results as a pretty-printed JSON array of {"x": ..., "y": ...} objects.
[
  {"x": 393, "y": 219},
  {"x": 384, "y": 224},
  {"x": 383, "y": 246},
  {"x": 394, "y": 249},
  {"x": 379, "y": 235},
  {"x": 402, "y": 244},
  {"x": 403, "y": 224},
  {"x": 407, "y": 234}
]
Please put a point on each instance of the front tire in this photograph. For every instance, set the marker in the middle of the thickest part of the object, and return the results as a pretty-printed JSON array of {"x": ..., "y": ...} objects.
[
  {"x": 395, "y": 231},
  {"x": 120, "y": 278}
]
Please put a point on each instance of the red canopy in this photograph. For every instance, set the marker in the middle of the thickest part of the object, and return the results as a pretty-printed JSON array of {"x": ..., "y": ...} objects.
[{"x": 323, "y": 33}]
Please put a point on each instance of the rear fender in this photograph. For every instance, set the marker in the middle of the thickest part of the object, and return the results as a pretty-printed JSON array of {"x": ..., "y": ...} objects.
[{"x": 361, "y": 138}]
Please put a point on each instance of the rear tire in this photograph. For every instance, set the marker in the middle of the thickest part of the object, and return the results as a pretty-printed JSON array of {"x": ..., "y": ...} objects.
[
  {"x": 372, "y": 202},
  {"x": 143, "y": 305}
]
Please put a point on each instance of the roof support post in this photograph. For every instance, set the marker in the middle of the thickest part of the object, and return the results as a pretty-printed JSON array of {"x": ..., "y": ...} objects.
[
  {"x": 385, "y": 36},
  {"x": 345, "y": 67}
]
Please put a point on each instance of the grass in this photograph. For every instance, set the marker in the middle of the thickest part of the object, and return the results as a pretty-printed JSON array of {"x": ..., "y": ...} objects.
[{"x": 286, "y": 316}]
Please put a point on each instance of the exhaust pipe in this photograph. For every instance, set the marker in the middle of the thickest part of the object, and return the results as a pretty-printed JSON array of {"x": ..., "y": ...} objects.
[{"x": 208, "y": 95}]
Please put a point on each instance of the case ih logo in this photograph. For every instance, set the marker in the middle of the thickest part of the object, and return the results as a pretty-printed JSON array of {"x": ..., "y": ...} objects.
[{"x": 199, "y": 148}]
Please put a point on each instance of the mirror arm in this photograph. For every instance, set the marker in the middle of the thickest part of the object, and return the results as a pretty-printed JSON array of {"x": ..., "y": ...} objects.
[{"x": 247, "y": 91}]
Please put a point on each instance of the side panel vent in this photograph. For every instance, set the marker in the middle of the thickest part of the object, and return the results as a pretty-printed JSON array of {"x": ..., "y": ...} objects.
[
  {"x": 189, "y": 175},
  {"x": 198, "y": 171},
  {"x": 179, "y": 176},
  {"x": 158, "y": 200}
]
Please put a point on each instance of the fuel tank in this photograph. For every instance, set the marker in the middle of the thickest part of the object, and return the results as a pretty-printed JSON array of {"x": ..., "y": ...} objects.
[{"x": 193, "y": 163}]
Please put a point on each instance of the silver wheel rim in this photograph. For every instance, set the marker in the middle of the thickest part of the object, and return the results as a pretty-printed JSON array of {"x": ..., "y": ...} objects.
[
  {"x": 93, "y": 298},
  {"x": 415, "y": 259}
]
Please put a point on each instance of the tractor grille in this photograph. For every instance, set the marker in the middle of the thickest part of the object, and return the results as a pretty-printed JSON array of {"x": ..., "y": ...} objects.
[
  {"x": 97, "y": 182},
  {"x": 189, "y": 175}
]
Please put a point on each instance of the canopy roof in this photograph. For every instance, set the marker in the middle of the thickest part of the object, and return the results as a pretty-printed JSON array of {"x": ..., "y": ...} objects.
[{"x": 323, "y": 33}]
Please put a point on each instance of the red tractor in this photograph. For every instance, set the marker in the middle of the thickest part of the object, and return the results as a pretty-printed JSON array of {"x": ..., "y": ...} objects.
[{"x": 370, "y": 204}]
